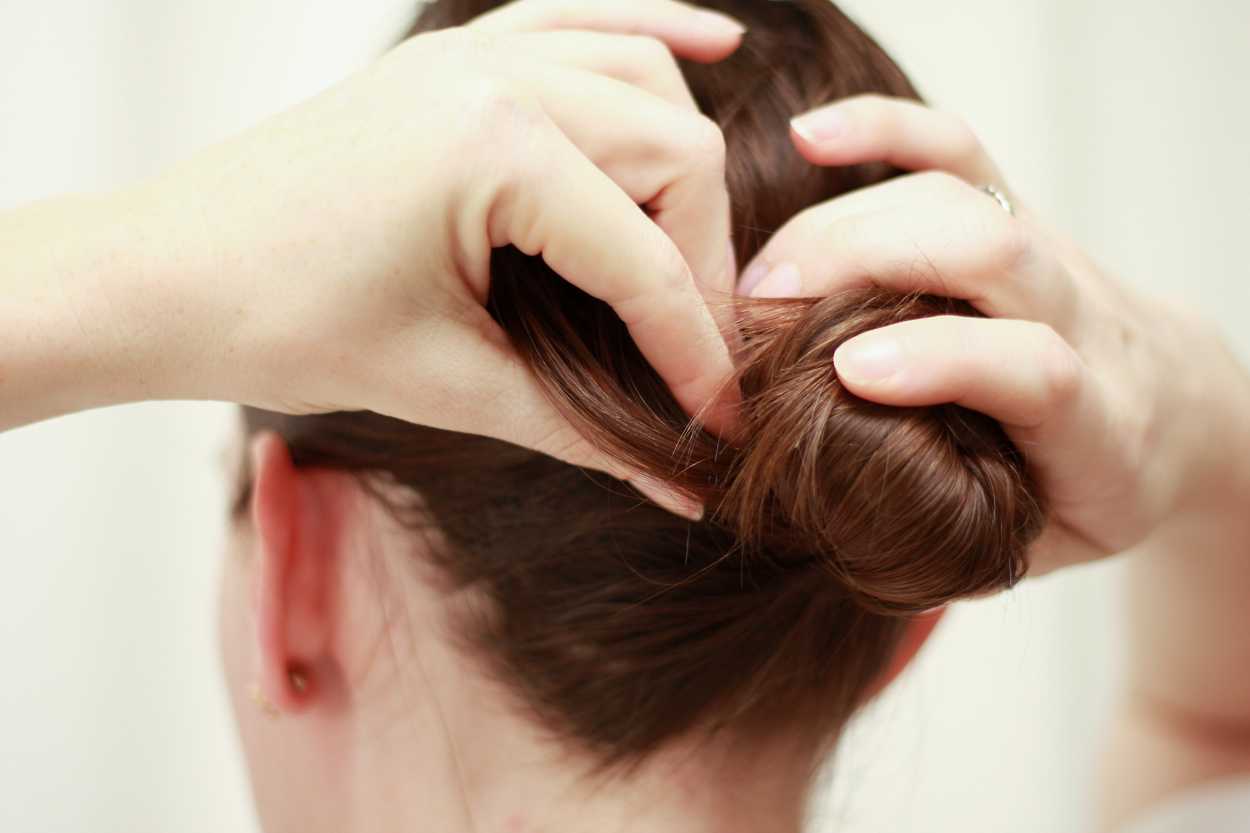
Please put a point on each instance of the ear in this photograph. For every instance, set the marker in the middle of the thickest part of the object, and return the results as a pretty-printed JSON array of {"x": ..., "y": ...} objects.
[
  {"x": 295, "y": 514},
  {"x": 919, "y": 628}
]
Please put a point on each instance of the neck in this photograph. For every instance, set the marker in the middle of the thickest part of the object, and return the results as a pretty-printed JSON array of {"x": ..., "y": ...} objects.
[{"x": 455, "y": 756}]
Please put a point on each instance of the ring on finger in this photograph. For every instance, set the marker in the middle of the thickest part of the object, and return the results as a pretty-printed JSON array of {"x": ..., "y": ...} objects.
[{"x": 1000, "y": 198}]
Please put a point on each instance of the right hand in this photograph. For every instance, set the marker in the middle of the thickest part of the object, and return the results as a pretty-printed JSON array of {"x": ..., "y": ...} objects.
[
  {"x": 344, "y": 247},
  {"x": 1134, "y": 415}
]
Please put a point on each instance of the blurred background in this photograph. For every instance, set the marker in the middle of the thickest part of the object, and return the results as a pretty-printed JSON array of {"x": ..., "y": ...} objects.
[{"x": 1123, "y": 121}]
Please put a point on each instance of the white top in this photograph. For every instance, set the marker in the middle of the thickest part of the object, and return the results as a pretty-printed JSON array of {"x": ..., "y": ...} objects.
[{"x": 1220, "y": 807}]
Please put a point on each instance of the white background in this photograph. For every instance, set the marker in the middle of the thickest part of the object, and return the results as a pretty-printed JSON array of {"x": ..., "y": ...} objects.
[{"x": 1125, "y": 121}]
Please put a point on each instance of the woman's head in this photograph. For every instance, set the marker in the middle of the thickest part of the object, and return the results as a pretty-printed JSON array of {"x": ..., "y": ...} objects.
[{"x": 557, "y": 602}]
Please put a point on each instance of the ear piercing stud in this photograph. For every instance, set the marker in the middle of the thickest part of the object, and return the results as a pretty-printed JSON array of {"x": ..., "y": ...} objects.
[
  {"x": 299, "y": 681},
  {"x": 264, "y": 703}
]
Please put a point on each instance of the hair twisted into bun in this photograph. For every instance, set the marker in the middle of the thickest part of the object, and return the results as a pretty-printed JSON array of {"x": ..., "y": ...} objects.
[
  {"x": 620, "y": 627},
  {"x": 906, "y": 508},
  {"x": 910, "y": 508}
]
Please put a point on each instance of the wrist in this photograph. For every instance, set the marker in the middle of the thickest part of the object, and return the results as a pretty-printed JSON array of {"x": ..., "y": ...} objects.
[
  {"x": 1220, "y": 497},
  {"x": 160, "y": 350},
  {"x": 131, "y": 282},
  {"x": 68, "y": 336}
]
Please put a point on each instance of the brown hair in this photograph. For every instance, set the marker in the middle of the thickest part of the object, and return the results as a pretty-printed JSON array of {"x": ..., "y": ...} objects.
[{"x": 622, "y": 627}]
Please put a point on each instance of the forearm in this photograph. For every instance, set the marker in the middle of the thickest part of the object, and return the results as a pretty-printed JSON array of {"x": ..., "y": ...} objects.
[
  {"x": 1184, "y": 714},
  {"x": 80, "y": 290},
  {"x": 1188, "y": 606}
]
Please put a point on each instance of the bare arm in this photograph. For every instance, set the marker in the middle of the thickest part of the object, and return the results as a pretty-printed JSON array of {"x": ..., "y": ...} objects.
[
  {"x": 69, "y": 336},
  {"x": 335, "y": 256},
  {"x": 1184, "y": 716}
]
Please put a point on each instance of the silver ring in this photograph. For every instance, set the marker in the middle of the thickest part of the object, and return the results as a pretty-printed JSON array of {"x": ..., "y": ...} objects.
[{"x": 1000, "y": 198}]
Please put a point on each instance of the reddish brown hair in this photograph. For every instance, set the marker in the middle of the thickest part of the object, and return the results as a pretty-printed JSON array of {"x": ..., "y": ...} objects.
[{"x": 622, "y": 627}]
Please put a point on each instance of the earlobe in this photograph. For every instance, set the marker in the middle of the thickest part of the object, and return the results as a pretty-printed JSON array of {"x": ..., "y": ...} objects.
[{"x": 294, "y": 553}]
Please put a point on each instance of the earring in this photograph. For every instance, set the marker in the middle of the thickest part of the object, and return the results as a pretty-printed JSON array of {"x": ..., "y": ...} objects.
[
  {"x": 299, "y": 681},
  {"x": 266, "y": 705}
]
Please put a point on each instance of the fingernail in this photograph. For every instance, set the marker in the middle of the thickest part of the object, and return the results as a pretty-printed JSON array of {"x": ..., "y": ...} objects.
[
  {"x": 668, "y": 499},
  {"x": 752, "y": 275},
  {"x": 715, "y": 23},
  {"x": 869, "y": 358},
  {"x": 820, "y": 125}
]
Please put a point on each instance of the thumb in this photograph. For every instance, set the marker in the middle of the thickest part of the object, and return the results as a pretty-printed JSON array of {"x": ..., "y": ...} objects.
[{"x": 491, "y": 392}]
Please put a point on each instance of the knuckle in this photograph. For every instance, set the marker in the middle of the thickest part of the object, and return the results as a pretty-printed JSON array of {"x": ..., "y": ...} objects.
[
  {"x": 704, "y": 143},
  {"x": 651, "y": 51},
  {"x": 964, "y": 141},
  {"x": 944, "y": 184},
  {"x": 492, "y": 105},
  {"x": 553, "y": 13},
  {"x": 488, "y": 97},
  {"x": 1013, "y": 241},
  {"x": 674, "y": 270},
  {"x": 502, "y": 131},
  {"x": 460, "y": 40},
  {"x": 1060, "y": 367},
  {"x": 671, "y": 281}
]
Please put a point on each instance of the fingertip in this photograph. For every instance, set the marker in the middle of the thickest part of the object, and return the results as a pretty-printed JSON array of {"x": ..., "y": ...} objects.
[
  {"x": 826, "y": 137},
  {"x": 875, "y": 366},
  {"x": 719, "y": 25},
  {"x": 708, "y": 37},
  {"x": 720, "y": 416},
  {"x": 811, "y": 151},
  {"x": 709, "y": 52},
  {"x": 871, "y": 360},
  {"x": 708, "y": 389},
  {"x": 752, "y": 275},
  {"x": 714, "y": 409},
  {"x": 668, "y": 498},
  {"x": 783, "y": 281},
  {"x": 822, "y": 125}
]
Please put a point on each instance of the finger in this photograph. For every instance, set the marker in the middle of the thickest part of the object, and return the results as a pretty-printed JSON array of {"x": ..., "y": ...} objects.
[
  {"x": 904, "y": 133},
  {"x": 698, "y": 34},
  {"x": 1018, "y": 372},
  {"x": 807, "y": 231},
  {"x": 670, "y": 159},
  {"x": 642, "y": 61},
  {"x": 593, "y": 234},
  {"x": 1058, "y": 414},
  {"x": 518, "y": 411},
  {"x": 667, "y": 498},
  {"x": 525, "y": 416},
  {"x": 940, "y": 236}
]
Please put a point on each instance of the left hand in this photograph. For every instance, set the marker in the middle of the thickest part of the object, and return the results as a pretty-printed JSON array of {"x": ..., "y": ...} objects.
[{"x": 1112, "y": 397}]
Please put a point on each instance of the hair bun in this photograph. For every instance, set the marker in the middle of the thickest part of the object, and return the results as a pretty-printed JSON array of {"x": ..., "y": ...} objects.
[{"x": 910, "y": 508}]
